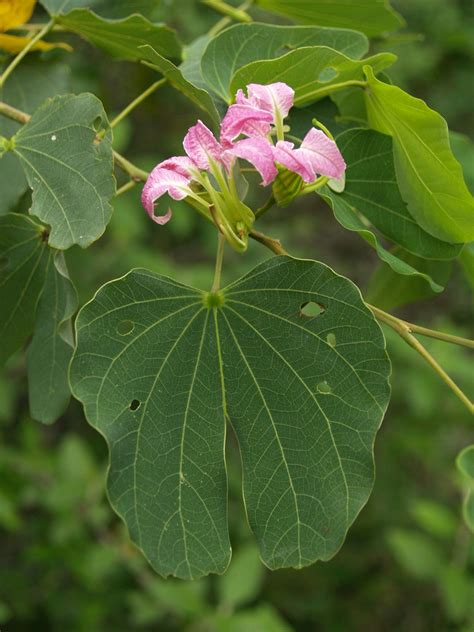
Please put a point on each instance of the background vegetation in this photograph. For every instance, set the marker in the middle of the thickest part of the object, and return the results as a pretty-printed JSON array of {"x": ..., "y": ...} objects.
[{"x": 408, "y": 563}]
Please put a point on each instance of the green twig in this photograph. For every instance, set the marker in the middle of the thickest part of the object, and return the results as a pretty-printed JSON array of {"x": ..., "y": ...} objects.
[
  {"x": 405, "y": 331},
  {"x": 139, "y": 175},
  {"x": 219, "y": 259},
  {"x": 34, "y": 40},
  {"x": 233, "y": 13},
  {"x": 266, "y": 207},
  {"x": 219, "y": 26},
  {"x": 14, "y": 114},
  {"x": 126, "y": 187},
  {"x": 136, "y": 102},
  {"x": 269, "y": 242}
]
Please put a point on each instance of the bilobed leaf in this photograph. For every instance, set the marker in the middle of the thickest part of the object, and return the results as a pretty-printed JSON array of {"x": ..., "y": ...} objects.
[
  {"x": 159, "y": 366},
  {"x": 116, "y": 9},
  {"x": 311, "y": 71},
  {"x": 51, "y": 347},
  {"x": 372, "y": 17},
  {"x": 68, "y": 170},
  {"x": 122, "y": 38},
  {"x": 245, "y": 43},
  {"x": 429, "y": 176},
  {"x": 371, "y": 188},
  {"x": 347, "y": 215},
  {"x": 44, "y": 79},
  {"x": 23, "y": 264},
  {"x": 176, "y": 78}
]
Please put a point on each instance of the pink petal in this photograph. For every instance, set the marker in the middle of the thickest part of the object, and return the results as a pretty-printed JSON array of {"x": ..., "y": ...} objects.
[
  {"x": 180, "y": 164},
  {"x": 274, "y": 97},
  {"x": 160, "y": 181},
  {"x": 259, "y": 152},
  {"x": 292, "y": 159},
  {"x": 323, "y": 154},
  {"x": 244, "y": 119},
  {"x": 200, "y": 144}
]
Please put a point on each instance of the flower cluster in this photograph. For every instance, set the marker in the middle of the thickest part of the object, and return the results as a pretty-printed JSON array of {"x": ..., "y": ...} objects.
[{"x": 206, "y": 175}]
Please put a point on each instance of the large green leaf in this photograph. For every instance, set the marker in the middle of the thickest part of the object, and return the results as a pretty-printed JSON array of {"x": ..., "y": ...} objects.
[
  {"x": 429, "y": 176},
  {"x": 122, "y": 38},
  {"x": 191, "y": 65},
  {"x": 159, "y": 366},
  {"x": 371, "y": 188},
  {"x": 115, "y": 9},
  {"x": 23, "y": 264},
  {"x": 349, "y": 218},
  {"x": 68, "y": 170},
  {"x": 312, "y": 71},
  {"x": 176, "y": 78},
  {"x": 245, "y": 43},
  {"x": 463, "y": 149},
  {"x": 373, "y": 17},
  {"x": 51, "y": 347},
  {"x": 44, "y": 79}
]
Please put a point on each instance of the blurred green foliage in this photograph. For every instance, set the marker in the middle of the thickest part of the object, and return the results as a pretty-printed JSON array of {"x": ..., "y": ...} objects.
[{"x": 408, "y": 563}]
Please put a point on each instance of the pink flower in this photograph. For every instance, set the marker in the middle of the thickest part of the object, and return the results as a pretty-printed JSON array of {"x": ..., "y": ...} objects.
[
  {"x": 276, "y": 98},
  {"x": 317, "y": 155},
  {"x": 259, "y": 152},
  {"x": 171, "y": 176},
  {"x": 244, "y": 119},
  {"x": 201, "y": 145}
]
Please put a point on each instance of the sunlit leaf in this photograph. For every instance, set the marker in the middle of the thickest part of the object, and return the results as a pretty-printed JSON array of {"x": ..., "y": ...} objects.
[
  {"x": 61, "y": 156},
  {"x": 328, "y": 68},
  {"x": 23, "y": 265},
  {"x": 372, "y": 17},
  {"x": 15, "y": 13},
  {"x": 122, "y": 38},
  {"x": 50, "y": 350},
  {"x": 245, "y": 43},
  {"x": 159, "y": 366},
  {"x": 429, "y": 176},
  {"x": 44, "y": 79},
  {"x": 371, "y": 188}
]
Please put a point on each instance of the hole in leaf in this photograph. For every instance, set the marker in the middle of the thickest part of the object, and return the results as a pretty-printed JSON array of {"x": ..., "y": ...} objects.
[
  {"x": 327, "y": 74},
  {"x": 97, "y": 124},
  {"x": 125, "y": 327},
  {"x": 310, "y": 309},
  {"x": 324, "y": 388},
  {"x": 331, "y": 339},
  {"x": 135, "y": 404}
]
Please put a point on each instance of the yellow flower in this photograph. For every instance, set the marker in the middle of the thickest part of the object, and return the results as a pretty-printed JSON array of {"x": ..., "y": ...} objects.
[{"x": 15, "y": 13}]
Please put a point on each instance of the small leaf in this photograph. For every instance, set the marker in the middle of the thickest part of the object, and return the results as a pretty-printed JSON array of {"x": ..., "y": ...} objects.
[
  {"x": 372, "y": 189},
  {"x": 60, "y": 156},
  {"x": 116, "y": 9},
  {"x": 245, "y": 43},
  {"x": 465, "y": 462},
  {"x": 390, "y": 288},
  {"x": 307, "y": 454},
  {"x": 429, "y": 176},
  {"x": 122, "y": 38},
  {"x": 292, "y": 69},
  {"x": 372, "y": 17},
  {"x": 51, "y": 348},
  {"x": 175, "y": 77},
  {"x": 348, "y": 217},
  {"x": 243, "y": 580},
  {"x": 44, "y": 79},
  {"x": 416, "y": 553},
  {"x": 23, "y": 264}
]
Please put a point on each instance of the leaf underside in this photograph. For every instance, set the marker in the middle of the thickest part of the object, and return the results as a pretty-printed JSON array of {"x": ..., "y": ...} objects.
[{"x": 158, "y": 372}]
